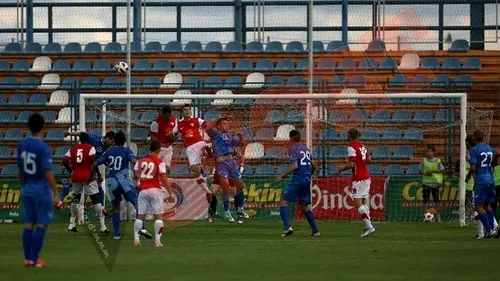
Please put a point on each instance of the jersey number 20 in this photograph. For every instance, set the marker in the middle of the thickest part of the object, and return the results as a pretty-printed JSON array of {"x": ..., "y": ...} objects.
[{"x": 115, "y": 163}]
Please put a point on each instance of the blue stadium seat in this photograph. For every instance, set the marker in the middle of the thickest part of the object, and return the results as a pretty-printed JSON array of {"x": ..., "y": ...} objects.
[
  {"x": 296, "y": 81},
  {"x": 264, "y": 170},
  {"x": 90, "y": 83},
  {"x": 135, "y": 47},
  {"x": 319, "y": 152},
  {"x": 4, "y": 65},
  {"x": 472, "y": 64},
  {"x": 93, "y": 48},
  {"x": 254, "y": 47},
  {"x": 13, "y": 135},
  {"x": 423, "y": 116},
  {"x": 420, "y": 80},
  {"x": 399, "y": 80},
  {"x": 3, "y": 99},
  {"x": 338, "y": 151},
  {"x": 346, "y": 64},
  {"x": 264, "y": 65},
  {"x": 52, "y": 48},
  {"x": 294, "y": 47},
  {"x": 138, "y": 134},
  {"x": 394, "y": 170},
  {"x": 69, "y": 83},
  {"x": 149, "y": 116},
  {"x": 451, "y": 64},
  {"x": 38, "y": 100},
  {"x": 381, "y": 151},
  {"x": 328, "y": 134},
  {"x": 213, "y": 82},
  {"x": 359, "y": 116},
  {"x": 56, "y": 169},
  {"x": 244, "y": 102},
  {"x": 81, "y": 65},
  {"x": 20, "y": 65},
  {"x": 55, "y": 135},
  {"x": 151, "y": 82},
  {"x": 460, "y": 45},
  {"x": 463, "y": 81},
  {"x": 444, "y": 115},
  {"x": 23, "y": 116},
  {"x": 413, "y": 170},
  {"x": 441, "y": 81},
  {"x": 285, "y": 65},
  {"x": 33, "y": 48},
  {"x": 173, "y": 47},
  {"x": 370, "y": 134},
  {"x": 381, "y": 116},
  {"x": 413, "y": 134},
  {"x": 295, "y": 116},
  {"x": 191, "y": 82},
  {"x": 247, "y": 170},
  {"x": 375, "y": 169},
  {"x": 337, "y": 81},
  {"x": 213, "y": 47},
  {"x": 244, "y": 65},
  {"x": 274, "y": 81},
  {"x": 61, "y": 65},
  {"x": 143, "y": 151},
  {"x": 140, "y": 102},
  {"x": 111, "y": 82},
  {"x": 142, "y": 65},
  {"x": 282, "y": 169},
  {"x": 275, "y": 116},
  {"x": 4, "y": 152},
  {"x": 183, "y": 65},
  {"x": 274, "y": 47},
  {"x": 101, "y": 65},
  {"x": 388, "y": 64},
  {"x": 152, "y": 47},
  {"x": 113, "y": 47},
  {"x": 210, "y": 115},
  {"x": 264, "y": 134},
  {"x": 367, "y": 64},
  {"x": 10, "y": 170},
  {"x": 233, "y": 47},
  {"x": 401, "y": 115},
  {"x": 275, "y": 152},
  {"x": 193, "y": 47},
  {"x": 303, "y": 64},
  {"x": 73, "y": 48},
  {"x": 318, "y": 47},
  {"x": 29, "y": 83},
  {"x": 376, "y": 45},
  {"x": 203, "y": 65},
  {"x": 337, "y": 46},
  {"x": 162, "y": 65},
  {"x": 403, "y": 152},
  {"x": 13, "y": 48},
  {"x": 430, "y": 63},
  {"x": 392, "y": 134},
  {"x": 337, "y": 117},
  {"x": 9, "y": 83},
  {"x": 223, "y": 65},
  {"x": 325, "y": 64},
  {"x": 234, "y": 82},
  {"x": 17, "y": 99}
]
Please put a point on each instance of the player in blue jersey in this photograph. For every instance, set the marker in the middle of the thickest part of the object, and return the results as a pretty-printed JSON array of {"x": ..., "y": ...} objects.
[
  {"x": 299, "y": 188},
  {"x": 227, "y": 168},
  {"x": 119, "y": 183},
  {"x": 38, "y": 189},
  {"x": 481, "y": 167}
]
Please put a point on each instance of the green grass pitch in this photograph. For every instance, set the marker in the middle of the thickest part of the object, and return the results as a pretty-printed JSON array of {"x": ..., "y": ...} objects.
[{"x": 255, "y": 251}]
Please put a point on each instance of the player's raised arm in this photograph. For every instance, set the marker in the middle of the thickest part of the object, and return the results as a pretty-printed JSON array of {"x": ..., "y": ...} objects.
[
  {"x": 211, "y": 124},
  {"x": 100, "y": 160},
  {"x": 66, "y": 161},
  {"x": 72, "y": 134}
]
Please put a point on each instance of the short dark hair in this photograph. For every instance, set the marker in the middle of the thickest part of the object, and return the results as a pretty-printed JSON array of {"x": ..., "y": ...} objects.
[
  {"x": 120, "y": 138},
  {"x": 222, "y": 119},
  {"x": 185, "y": 105},
  {"x": 84, "y": 137},
  {"x": 109, "y": 135},
  {"x": 294, "y": 135},
  {"x": 353, "y": 134},
  {"x": 478, "y": 136},
  {"x": 469, "y": 140},
  {"x": 431, "y": 147},
  {"x": 36, "y": 122},
  {"x": 166, "y": 109},
  {"x": 155, "y": 146}
]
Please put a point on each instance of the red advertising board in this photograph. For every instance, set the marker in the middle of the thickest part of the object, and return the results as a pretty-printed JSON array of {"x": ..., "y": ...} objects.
[{"x": 331, "y": 199}]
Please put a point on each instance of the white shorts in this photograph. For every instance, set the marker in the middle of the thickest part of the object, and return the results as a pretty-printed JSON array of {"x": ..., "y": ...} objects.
[
  {"x": 194, "y": 152},
  {"x": 150, "y": 201},
  {"x": 90, "y": 189},
  {"x": 361, "y": 189},
  {"x": 166, "y": 155}
]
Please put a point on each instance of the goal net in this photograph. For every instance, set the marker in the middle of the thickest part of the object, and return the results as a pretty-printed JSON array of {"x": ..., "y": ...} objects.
[{"x": 397, "y": 129}]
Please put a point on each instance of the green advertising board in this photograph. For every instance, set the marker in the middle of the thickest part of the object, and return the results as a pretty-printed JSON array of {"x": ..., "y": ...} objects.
[{"x": 404, "y": 199}]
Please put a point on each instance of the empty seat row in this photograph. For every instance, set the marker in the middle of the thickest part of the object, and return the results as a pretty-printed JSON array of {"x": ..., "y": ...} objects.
[
  {"x": 439, "y": 81},
  {"x": 13, "y": 170},
  {"x": 57, "y": 98},
  {"x": 22, "y": 117}
]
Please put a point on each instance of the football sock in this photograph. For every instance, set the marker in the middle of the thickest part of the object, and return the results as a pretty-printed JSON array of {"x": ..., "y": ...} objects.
[
  {"x": 364, "y": 215},
  {"x": 143, "y": 222},
  {"x": 137, "y": 227},
  {"x": 310, "y": 219},
  {"x": 101, "y": 195},
  {"x": 213, "y": 204},
  {"x": 74, "y": 213},
  {"x": 486, "y": 224},
  {"x": 494, "y": 207},
  {"x": 491, "y": 218},
  {"x": 225, "y": 202},
  {"x": 479, "y": 225},
  {"x": 37, "y": 242},
  {"x": 158, "y": 230},
  {"x": 98, "y": 211},
  {"x": 27, "y": 240},
  {"x": 284, "y": 217},
  {"x": 201, "y": 182},
  {"x": 116, "y": 224},
  {"x": 238, "y": 201}
]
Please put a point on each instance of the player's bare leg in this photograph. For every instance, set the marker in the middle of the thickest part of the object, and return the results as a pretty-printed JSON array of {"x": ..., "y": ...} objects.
[
  {"x": 99, "y": 212},
  {"x": 359, "y": 203}
]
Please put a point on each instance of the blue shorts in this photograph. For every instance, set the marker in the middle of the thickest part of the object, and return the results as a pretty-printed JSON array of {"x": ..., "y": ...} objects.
[
  {"x": 121, "y": 187},
  {"x": 228, "y": 169},
  {"x": 484, "y": 193},
  {"x": 298, "y": 190},
  {"x": 37, "y": 209}
]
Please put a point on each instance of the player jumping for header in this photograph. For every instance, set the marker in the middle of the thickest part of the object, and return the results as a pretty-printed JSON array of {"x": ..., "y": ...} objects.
[
  {"x": 358, "y": 157},
  {"x": 160, "y": 129}
]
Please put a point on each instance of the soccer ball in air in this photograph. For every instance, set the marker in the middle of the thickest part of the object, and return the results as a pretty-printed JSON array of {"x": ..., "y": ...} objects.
[
  {"x": 428, "y": 217},
  {"x": 121, "y": 67}
]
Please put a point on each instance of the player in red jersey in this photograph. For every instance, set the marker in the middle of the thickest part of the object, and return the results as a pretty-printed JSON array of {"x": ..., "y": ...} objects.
[
  {"x": 160, "y": 131},
  {"x": 78, "y": 161},
  {"x": 358, "y": 157},
  {"x": 151, "y": 173},
  {"x": 190, "y": 129}
]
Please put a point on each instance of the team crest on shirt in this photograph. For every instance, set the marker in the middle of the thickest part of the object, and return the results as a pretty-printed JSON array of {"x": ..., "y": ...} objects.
[{"x": 192, "y": 124}]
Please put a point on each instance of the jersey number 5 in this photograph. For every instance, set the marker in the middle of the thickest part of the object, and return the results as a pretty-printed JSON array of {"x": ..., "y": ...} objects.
[
  {"x": 79, "y": 155},
  {"x": 147, "y": 170}
]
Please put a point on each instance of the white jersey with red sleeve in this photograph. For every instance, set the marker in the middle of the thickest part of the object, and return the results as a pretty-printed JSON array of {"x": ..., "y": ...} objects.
[
  {"x": 81, "y": 156},
  {"x": 161, "y": 128},
  {"x": 190, "y": 130},
  {"x": 358, "y": 154},
  {"x": 149, "y": 169}
]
